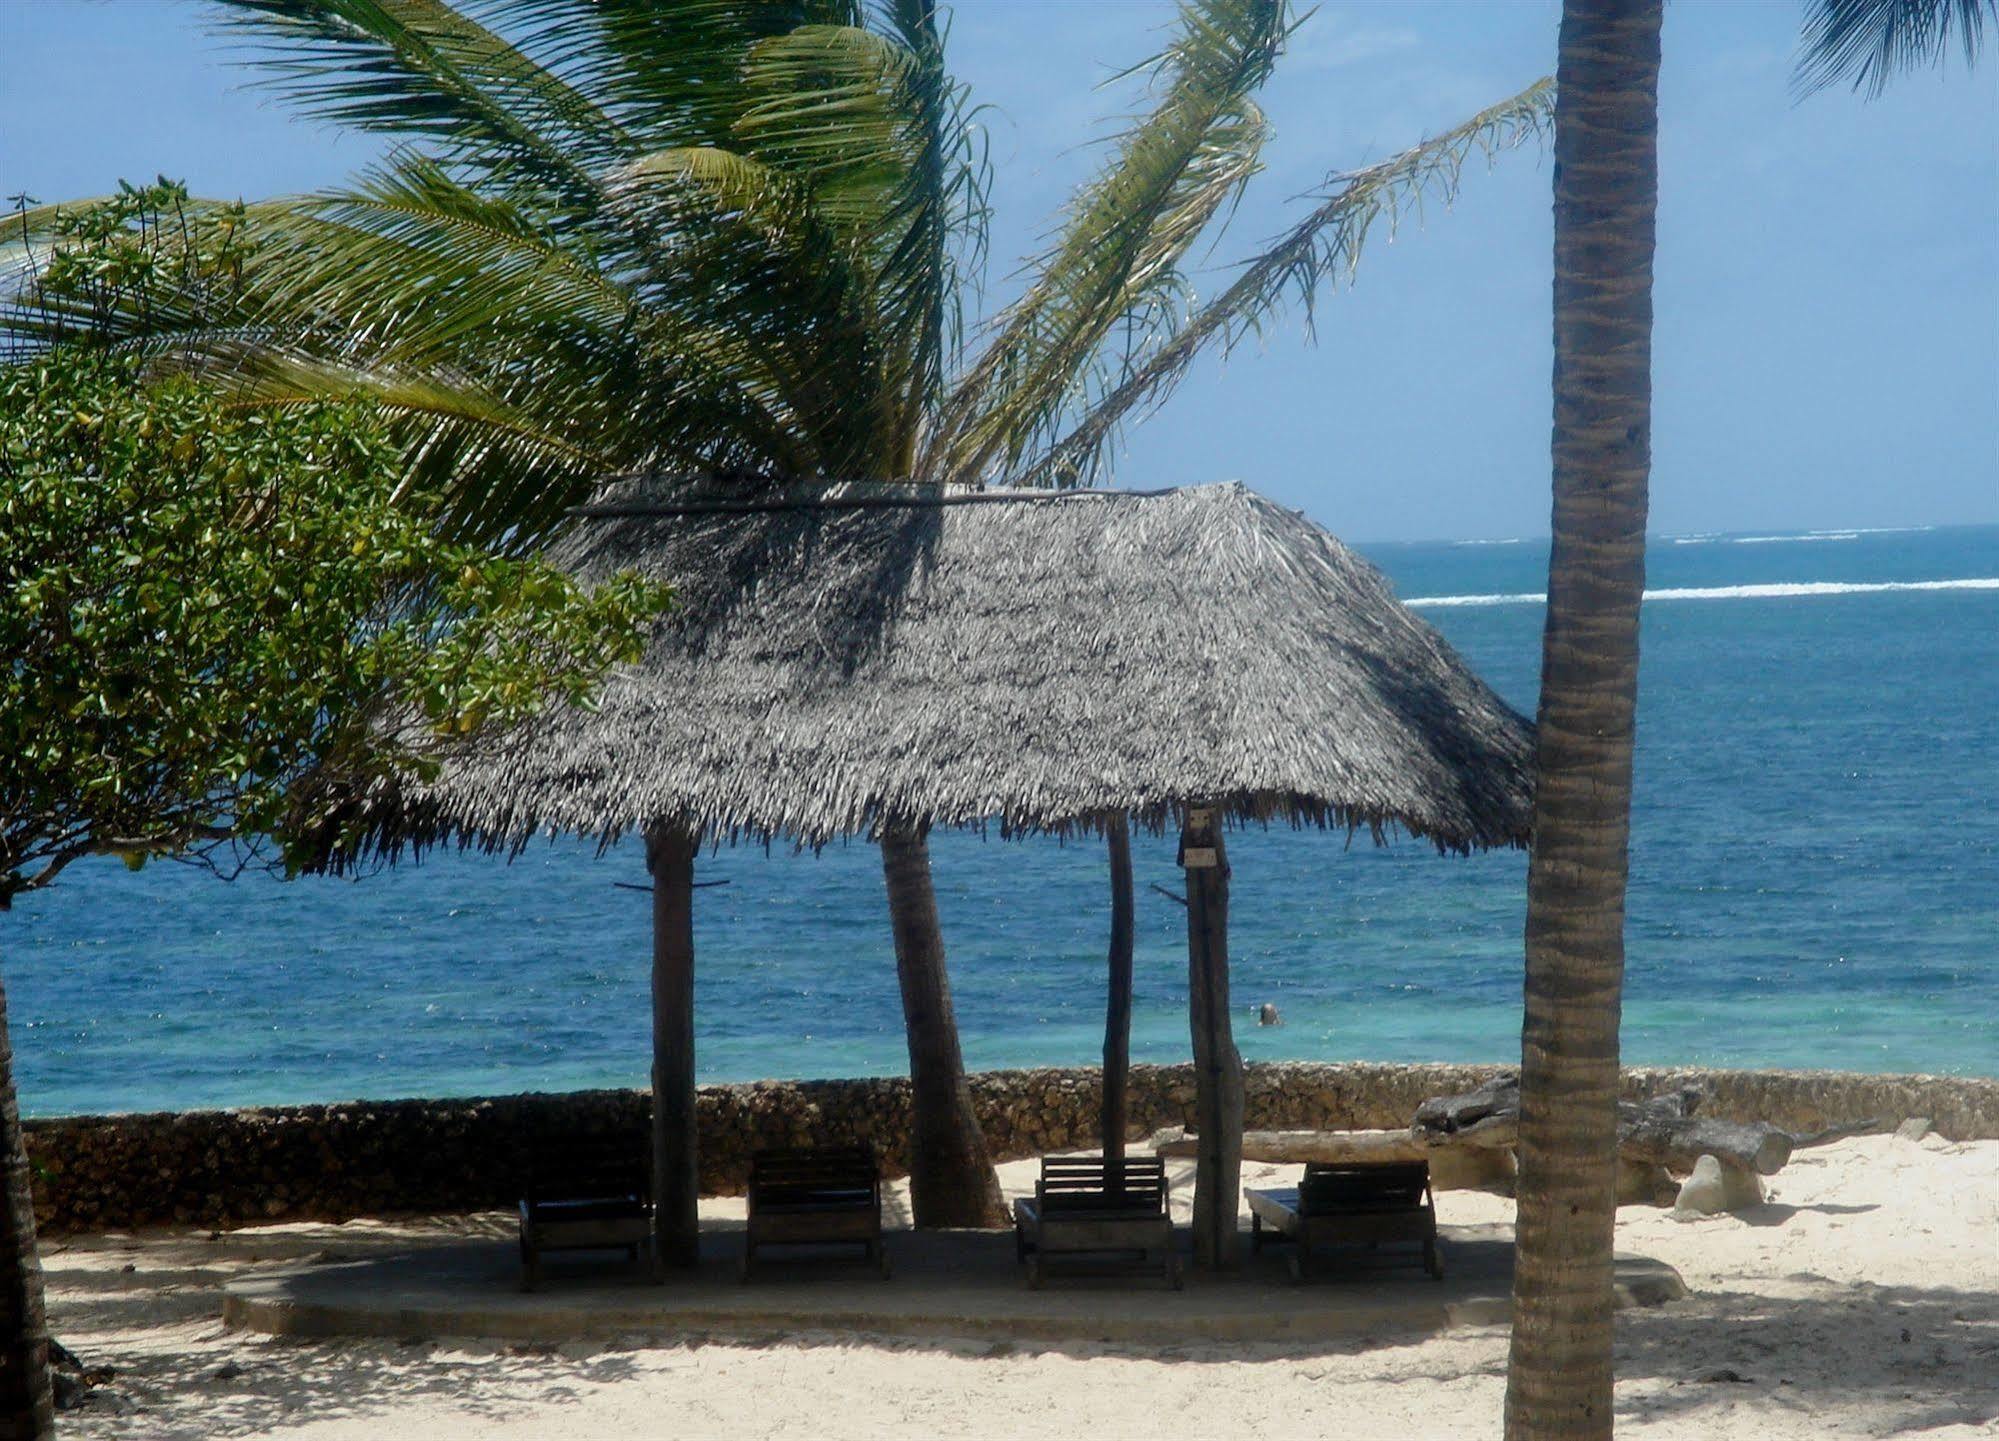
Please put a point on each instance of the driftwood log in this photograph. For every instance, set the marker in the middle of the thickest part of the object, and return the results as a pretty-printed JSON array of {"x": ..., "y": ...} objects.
[
  {"x": 1662, "y": 1131},
  {"x": 1452, "y": 1168},
  {"x": 1468, "y": 1140}
]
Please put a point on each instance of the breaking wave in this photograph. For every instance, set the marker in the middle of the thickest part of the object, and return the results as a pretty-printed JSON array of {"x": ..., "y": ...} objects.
[
  {"x": 1802, "y": 537},
  {"x": 1775, "y": 591}
]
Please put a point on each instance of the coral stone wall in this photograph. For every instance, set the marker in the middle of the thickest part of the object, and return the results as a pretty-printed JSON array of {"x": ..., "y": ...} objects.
[{"x": 225, "y": 1168}]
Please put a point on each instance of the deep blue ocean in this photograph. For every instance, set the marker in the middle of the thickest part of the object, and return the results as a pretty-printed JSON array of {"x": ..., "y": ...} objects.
[{"x": 1815, "y": 882}]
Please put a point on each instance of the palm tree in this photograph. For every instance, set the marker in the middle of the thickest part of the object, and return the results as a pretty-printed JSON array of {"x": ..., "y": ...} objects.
[
  {"x": 1559, "y": 1378},
  {"x": 1606, "y": 198},
  {"x": 734, "y": 240}
]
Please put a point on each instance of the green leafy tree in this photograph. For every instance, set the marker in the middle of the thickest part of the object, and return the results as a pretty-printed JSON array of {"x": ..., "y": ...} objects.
[
  {"x": 207, "y": 606},
  {"x": 735, "y": 240},
  {"x": 204, "y": 608}
]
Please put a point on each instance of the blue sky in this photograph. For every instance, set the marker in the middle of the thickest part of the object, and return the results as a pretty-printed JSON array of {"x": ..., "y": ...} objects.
[{"x": 1827, "y": 350}]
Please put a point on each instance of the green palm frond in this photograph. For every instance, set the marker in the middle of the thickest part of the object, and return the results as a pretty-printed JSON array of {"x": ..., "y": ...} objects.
[
  {"x": 738, "y": 248},
  {"x": 497, "y": 468},
  {"x": 724, "y": 185},
  {"x": 886, "y": 142},
  {"x": 424, "y": 70},
  {"x": 669, "y": 71},
  {"x": 1868, "y": 41},
  {"x": 1116, "y": 261},
  {"x": 1318, "y": 253},
  {"x": 411, "y": 258},
  {"x": 274, "y": 376},
  {"x": 398, "y": 324},
  {"x": 786, "y": 122},
  {"x": 830, "y": 106},
  {"x": 408, "y": 260},
  {"x": 418, "y": 267}
]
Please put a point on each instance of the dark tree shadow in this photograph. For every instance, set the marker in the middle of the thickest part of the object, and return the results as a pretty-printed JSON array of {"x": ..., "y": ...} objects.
[
  {"x": 1903, "y": 1358},
  {"x": 1912, "y": 1358}
]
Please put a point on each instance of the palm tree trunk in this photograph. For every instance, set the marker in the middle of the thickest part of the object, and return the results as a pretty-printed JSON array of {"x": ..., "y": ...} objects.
[
  {"x": 1559, "y": 1378},
  {"x": 1117, "y": 1011},
  {"x": 951, "y": 1179},
  {"x": 27, "y": 1404}
]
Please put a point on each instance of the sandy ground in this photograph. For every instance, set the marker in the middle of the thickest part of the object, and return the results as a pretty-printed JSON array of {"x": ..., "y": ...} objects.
[{"x": 1862, "y": 1301}]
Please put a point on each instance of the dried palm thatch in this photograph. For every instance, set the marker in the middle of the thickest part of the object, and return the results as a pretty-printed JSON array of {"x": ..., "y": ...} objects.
[{"x": 1032, "y": 659}]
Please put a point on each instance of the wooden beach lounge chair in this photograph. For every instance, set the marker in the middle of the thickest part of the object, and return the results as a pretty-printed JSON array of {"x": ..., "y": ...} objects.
[
  {"x": 1349, "y": 1205},
  {"x": 1079, "y": 1209},
  {"x": 827, "y": 1195},
  {"x": 585, "y": 1193}
]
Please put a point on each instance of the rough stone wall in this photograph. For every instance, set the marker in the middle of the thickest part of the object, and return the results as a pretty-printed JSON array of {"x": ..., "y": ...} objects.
[
  {"x": 1961, "y": 1108},
  {"x": 225, "y": 1168}
]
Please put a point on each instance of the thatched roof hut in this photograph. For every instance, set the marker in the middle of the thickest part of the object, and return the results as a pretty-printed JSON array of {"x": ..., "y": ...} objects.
[
  {"x": 1034, "y": 659},
  {"x": 876, "y": 662}
]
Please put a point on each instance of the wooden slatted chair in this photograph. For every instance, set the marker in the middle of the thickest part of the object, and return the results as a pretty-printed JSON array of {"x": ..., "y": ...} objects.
[
  {"x": 585, "y": 1193},
  {"x": 825, "y": 1195},
  {"x": 1350, "y": 1205},
  {"x": 1090, "y": 1205}
]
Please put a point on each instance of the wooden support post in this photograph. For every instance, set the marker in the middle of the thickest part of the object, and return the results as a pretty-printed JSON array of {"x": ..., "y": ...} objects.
[
  {"x": 1117, "y": 1011},
  {"x": 1218, "y": 1077},
  {"x": 676, "y": 1173}
]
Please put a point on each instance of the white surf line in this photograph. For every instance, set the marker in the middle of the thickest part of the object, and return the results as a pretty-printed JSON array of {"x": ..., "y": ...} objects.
[
  {"x": 1778, "y": 591},
  {"x": 1792, "y": 538}
]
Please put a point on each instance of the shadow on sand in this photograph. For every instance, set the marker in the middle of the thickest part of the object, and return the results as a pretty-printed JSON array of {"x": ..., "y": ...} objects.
[
  {"x": 1929, "y": 1357},
  {"x": 1913, "y": 1358}
]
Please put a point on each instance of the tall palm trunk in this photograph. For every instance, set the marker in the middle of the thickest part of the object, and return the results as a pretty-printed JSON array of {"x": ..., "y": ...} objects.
[
  {"x": 27, "y": 1404},
  {"x": 1606, "y": 196},
  {"x": 951, "y": 1180}
]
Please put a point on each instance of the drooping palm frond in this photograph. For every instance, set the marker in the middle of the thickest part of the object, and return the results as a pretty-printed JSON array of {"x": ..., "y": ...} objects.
[
  {"x": 875, "y": 128},
  {"x": 829, "y": 107},
  {"x": 427, "y": 71},
  {"x": 412, "y": 268},
  {"x": 1868, "y": 41},
  {"x": 1171, "y": 173},
  {"x": 411, "y": 257},
  {"x": 495, "y": 466},
  {"x": 1318, "y": 253},
  {"x": 834, "y": 344},
  {"x": 496, "y": 357},
  {"x": 668, "y": 71},
  {"x": 739, "y": 249}
]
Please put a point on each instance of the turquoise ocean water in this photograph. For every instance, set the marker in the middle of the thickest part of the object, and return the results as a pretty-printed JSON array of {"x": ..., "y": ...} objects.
[{"x": 1815, "y": 882}]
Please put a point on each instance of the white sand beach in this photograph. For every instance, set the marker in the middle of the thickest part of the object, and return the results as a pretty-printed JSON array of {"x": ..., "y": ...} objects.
[{"x": 1861, "y": 1301}]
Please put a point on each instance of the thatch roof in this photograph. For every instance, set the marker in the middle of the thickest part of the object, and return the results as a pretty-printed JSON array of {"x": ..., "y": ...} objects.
[{"x": 1031, "y": 659}]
